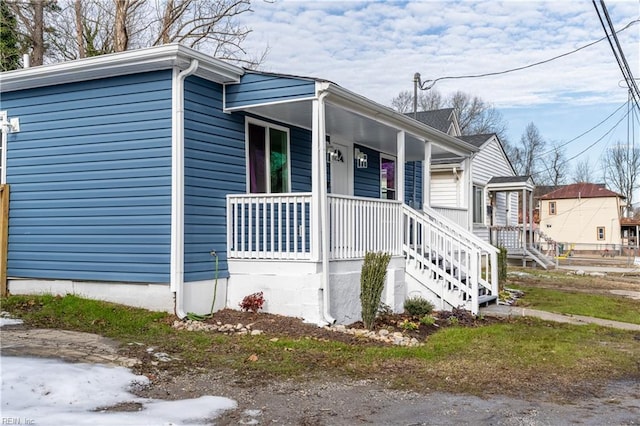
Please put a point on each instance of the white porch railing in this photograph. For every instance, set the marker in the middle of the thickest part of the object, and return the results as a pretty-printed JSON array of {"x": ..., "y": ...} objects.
[
  {"x": 269, "y": 226},
  {"x": 450, "y": 261},
  {"x": 358, "y": 225},
  {"x": 458, "y": 215},
  {"x": 512, "y": 238}
]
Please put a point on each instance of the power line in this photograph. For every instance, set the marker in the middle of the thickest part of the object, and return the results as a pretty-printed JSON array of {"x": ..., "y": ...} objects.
[
  {"x": 584, "y": 133},
  {"x": 618, "y": 54},
  {"x": 424, "y": 85}
]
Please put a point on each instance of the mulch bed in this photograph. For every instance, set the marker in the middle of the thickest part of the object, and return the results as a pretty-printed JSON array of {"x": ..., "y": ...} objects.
[{"x": 284, "y": 326}]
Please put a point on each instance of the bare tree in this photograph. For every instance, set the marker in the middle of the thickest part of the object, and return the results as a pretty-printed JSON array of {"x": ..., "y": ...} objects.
[
  {"x": 93, "y": 27},
  {"x": 32, "y": 26},
  {"x": 554, "y": 167},
  {"x": 77, "y": 8},
  {"x": 582, "y": 172},
  {"x": 475, "y": 116},
  {"x": 403, "y": 102},
  {"x": 126, "y": 12},
  {"x": 621, "y": 165},
  {"x": 528, "y": 154},
  {"x": 198, "y": 23}
]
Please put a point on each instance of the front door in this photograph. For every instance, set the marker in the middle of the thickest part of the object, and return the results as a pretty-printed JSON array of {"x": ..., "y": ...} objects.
[
  {"x": 387, "y": 177},
  {"x": 341, "y": 172}
]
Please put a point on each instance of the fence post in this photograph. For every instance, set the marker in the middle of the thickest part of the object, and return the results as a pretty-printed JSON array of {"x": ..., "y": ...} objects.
[{"x": 4, "y": 237}]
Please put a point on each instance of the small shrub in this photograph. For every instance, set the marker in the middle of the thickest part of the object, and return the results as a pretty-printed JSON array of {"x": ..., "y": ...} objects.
[
  {"x": 502, "y": 267},
  {"x": 427, "y": 320},
  {"x": 252, "y": 302},
  {"x": 409, "y": 325},
  {"x": 418, "y": 306},
  {"x": 454, "y": 320},
  {"x": 372, "y": 277},
  {"x": 385, "y": 312}
]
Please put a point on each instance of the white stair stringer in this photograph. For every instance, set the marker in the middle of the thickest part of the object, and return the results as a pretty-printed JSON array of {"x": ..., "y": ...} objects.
[
  {"x": 452, "y": 263},
  {"x": 540, "y": 258}
]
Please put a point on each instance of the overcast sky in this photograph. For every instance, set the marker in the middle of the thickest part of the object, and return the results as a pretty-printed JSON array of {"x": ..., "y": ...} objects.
[{"x": 374, "y": 49}]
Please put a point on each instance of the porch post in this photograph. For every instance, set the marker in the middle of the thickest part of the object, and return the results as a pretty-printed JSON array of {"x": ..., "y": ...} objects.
[
  {"x": 400, "y": 148},
  {"x": 426, "y": 175},
  {"x": 468, "y": 192},
  {"x": 318, "y": 155},
  {"x": 524, "y": 226},
  {"x": 531, "y": 234}
]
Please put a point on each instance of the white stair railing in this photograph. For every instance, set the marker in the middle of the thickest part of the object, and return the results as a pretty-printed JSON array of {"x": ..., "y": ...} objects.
[{"x": 449, "y": 260}]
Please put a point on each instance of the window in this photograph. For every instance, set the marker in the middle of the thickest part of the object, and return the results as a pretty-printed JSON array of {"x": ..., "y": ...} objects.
[
  {"x": 600, "y": 232},
  {"x": 478, "y": 203},
  {"x": 387, "y": 178},
  {"x": 268, "y": 158},
  {"x": 552, "y": 207}
]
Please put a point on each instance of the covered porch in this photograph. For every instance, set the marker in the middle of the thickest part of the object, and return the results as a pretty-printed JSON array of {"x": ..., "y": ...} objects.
[
  {"x": 524, "y": 241},
  {"x": 306, "y": 248}
]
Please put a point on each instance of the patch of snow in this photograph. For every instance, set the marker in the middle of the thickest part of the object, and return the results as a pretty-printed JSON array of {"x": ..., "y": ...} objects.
[
  {"x": 54, "y": 392},
  {"x": 9, "y": 321}
]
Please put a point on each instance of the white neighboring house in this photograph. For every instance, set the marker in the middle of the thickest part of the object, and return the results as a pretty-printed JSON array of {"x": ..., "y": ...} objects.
[{"x": 498, "y": 200}]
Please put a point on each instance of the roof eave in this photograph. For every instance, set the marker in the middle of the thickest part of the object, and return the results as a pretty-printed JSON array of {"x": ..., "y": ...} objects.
[
  {"x": 360, "y": 104},
  {"x": 122, "y": 63}
]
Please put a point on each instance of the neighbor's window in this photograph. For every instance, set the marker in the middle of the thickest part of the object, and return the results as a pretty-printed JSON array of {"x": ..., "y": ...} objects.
[
  {"x": 478, "y": 202},
  {"x": 268, "y": 162},
  {"x": 552, "y": 207},
  {"x": 600, "y": 231}
]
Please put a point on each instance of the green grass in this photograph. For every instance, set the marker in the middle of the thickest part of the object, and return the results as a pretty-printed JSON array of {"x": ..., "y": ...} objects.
[
  {"x": 512, "y": 357},
  {"x": 616, "y": 308}
]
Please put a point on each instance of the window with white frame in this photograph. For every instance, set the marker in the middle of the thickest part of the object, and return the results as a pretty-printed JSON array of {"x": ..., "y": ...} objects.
[
  {"x": 600, "y": 233},
  {"x": 268, "y": 165},
  {"x": 478, "y": 204},
  {"x": 552, "y": 208}
]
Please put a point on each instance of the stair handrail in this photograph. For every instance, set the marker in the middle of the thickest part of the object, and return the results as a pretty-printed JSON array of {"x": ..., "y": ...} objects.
[
  {"x": 459, "y": 229},
  {"x": 477, "y": 249}
]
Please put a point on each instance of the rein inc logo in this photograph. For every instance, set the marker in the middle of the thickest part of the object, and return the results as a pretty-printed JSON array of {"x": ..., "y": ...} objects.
[{"x": 17, "y": 421}]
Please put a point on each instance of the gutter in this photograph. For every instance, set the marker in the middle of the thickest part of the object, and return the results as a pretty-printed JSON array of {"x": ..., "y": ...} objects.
[
  {"x": 177, "y": 186},
  {"x": 325, "y": 304}
]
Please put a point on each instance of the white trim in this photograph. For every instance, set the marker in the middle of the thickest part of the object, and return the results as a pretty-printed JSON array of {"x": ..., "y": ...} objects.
[
  {"x": 360, "y": 105},
  {"x": 177, "y": 184},
  {"x": 265, "y": 104},
  {"x": 130, "y": 62},
  {"x": 3, "y": 145},
  {"x": 400, "y": 165},
  {"x": 267, "y": 146}
]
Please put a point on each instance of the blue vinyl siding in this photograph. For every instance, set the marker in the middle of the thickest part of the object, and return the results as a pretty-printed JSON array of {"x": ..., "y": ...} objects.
[
  {"x": 366, "y": 182},
  {"x": 413, "y": 173},
  {"x": 300, "y": 159},
  {"x": 214, "y": 167},
  {"x": 90, "y": 176},
  {"x": 255, "y": 88}
]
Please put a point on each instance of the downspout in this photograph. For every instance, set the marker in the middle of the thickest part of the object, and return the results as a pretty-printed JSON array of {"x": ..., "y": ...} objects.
[
  {"x": 177, "y": 188},
  {"x": 324, "y": 280}
]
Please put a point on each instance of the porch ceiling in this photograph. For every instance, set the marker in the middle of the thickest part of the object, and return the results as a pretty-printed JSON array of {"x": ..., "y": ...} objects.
[{"x": 347, "y": 125}]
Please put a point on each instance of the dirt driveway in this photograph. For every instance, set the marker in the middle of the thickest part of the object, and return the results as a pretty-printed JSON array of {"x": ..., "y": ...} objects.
[{"x": 334, "y": 402}]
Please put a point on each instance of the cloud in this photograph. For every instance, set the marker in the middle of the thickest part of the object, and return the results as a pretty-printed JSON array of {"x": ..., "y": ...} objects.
[{"x": 374, "y": 48}]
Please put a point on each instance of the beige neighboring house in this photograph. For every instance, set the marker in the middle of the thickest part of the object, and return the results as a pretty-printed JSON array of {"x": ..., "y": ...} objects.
[{"x": 582, "y": 217}]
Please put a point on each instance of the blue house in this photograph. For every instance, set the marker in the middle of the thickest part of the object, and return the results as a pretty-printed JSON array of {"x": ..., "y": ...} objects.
[{"x": 159, "y": 176}]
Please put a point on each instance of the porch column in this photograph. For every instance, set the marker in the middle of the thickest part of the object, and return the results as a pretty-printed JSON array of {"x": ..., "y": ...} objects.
[
  {"x": 468, "y": 192},
  {"x": 524, "y": 224},
  {"x": 400, "y": 148},
  {"x": 426, "y": 175},
  {"x": 531, "y": 234},
  {"x": 318, "y": 176}
]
